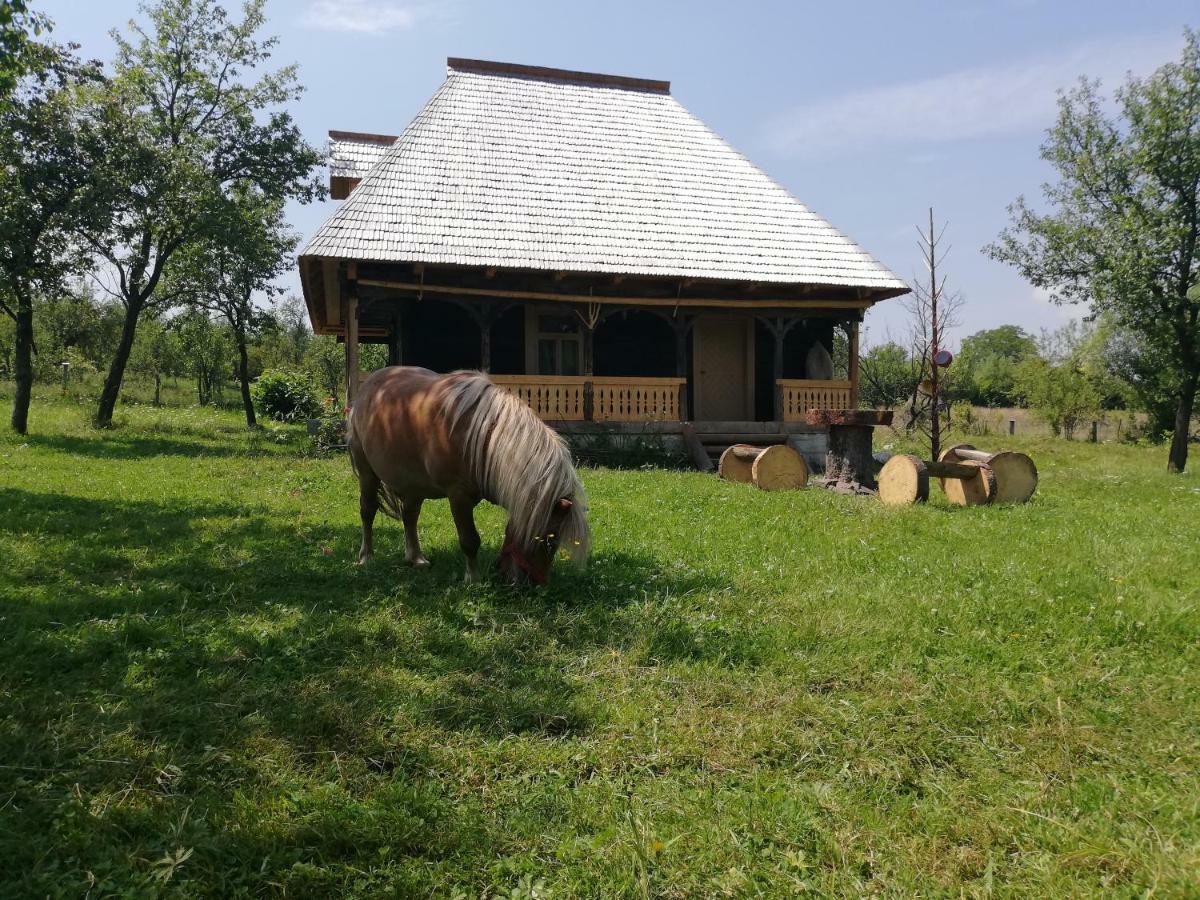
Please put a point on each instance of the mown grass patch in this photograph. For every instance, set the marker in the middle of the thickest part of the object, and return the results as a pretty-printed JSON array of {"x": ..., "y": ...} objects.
[{"x": 746, "y": 693}]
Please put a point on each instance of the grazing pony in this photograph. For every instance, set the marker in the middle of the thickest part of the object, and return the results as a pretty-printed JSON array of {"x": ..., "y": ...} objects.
[{"x": 415, "y": 435}]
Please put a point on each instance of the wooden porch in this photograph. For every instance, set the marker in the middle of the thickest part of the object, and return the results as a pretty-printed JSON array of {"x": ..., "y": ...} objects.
[{"x": 586, "y": 398}]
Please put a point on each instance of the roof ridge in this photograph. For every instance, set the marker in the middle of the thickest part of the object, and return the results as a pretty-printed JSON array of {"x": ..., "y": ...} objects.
[
  {"x": 488, "y": 67},
  {"x": 364, "y": 136}
]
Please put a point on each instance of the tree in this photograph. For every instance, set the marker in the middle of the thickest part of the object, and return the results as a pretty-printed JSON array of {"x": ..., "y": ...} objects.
[
  {"x": 46, "y": 173},
  {"x": 1059, "y": 392},
  {"x": 285, "y": 334},
  {"x": 325, "y": 359},
  {"x": 884, "y": 374},
  {"x": 156, "y": 352},
  {"x": 205, "y": 349},
  {"x": 987, "y": 361},
  {"x": 224, "y": 272},
  {"x": 932, "y": 311},
  {"x": 184, "y": 126},
  {"x": 18, "y": 54},
  {"x": 1123, "y": 230}
]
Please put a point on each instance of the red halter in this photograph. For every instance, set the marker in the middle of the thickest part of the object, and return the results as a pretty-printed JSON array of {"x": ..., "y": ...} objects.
[{"x": 511, "y": 551}]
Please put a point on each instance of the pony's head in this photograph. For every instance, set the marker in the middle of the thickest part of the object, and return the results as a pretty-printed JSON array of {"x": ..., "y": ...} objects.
[
  {"x": 524, "y": 466},
  {"x": 566, "y": 531}
]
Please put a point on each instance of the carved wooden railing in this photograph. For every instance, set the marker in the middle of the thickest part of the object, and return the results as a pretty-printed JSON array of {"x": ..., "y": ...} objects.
[
  {"x": 799, "y": 395},
  {"x": 558, "y": 399},
  {"x": 636, "y": 399},
  {"x": 582, "y": 398}
]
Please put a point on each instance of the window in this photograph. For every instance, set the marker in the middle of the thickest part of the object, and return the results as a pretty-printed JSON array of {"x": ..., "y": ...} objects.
[{"x": 558, "y": 344}]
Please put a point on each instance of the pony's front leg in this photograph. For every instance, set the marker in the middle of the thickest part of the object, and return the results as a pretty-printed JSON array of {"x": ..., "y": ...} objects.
[
  {"x": 463, "y": 510},
  {"x": 410, "y": 511}
]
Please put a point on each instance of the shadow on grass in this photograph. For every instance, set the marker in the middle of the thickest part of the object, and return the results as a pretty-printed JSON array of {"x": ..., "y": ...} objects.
[
  {"x": 121, "y": 446},
  {"x": 141, "y": 636}
]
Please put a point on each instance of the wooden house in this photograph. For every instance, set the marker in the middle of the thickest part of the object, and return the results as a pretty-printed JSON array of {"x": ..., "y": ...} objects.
[{"x": 595, "y": 248}]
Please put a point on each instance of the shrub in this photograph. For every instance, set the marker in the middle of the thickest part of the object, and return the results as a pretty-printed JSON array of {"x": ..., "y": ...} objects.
[
  {"x": 1059, "y": 394},
  {"x": 286, "y": 395}
]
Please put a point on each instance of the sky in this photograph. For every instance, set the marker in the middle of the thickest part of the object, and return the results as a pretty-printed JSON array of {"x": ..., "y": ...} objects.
[{"x": 869, "y": 112}]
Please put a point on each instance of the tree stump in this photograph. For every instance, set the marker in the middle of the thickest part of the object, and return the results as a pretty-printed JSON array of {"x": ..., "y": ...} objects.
[{"x": 849, "y": 462}]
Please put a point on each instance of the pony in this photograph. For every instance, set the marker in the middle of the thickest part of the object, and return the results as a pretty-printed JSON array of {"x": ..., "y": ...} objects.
[{"x": 415, "y": 435}]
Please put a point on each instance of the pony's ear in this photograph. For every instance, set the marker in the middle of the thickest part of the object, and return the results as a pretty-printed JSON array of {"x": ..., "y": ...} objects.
[{"x": 562, "y": 506}]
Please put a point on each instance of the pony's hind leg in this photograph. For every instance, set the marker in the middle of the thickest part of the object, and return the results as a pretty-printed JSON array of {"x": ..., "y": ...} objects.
[
  {"x": 368, "y": 505},
  {"x": 463, "y": 510},
  {"x": 410, "y": 511}
]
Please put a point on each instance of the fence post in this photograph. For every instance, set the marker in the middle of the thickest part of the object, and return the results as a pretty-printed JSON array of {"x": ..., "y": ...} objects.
[
  {"x": 1095, "y": 431},
  {"x": 1012, "y": 426}
]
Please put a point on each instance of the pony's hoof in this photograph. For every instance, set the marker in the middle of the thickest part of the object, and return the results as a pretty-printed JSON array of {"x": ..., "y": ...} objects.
[
  {"x": 419, "y": 563},
  {"x": 363, "y": 560}
]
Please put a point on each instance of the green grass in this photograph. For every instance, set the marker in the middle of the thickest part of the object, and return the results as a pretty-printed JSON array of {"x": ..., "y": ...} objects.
[{"x": 745, "y": 694}]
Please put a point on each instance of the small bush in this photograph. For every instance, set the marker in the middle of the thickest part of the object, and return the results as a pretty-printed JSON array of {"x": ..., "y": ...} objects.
[{"x": 286, "y": 395}]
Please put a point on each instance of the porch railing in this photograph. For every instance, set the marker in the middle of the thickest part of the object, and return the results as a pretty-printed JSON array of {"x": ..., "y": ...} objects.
[
  {"x": 802, "y": 394},
  {"x": 583, "y": 398}
]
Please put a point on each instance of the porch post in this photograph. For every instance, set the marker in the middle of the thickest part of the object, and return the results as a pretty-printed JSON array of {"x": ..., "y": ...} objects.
[
  {"x": 681, "y": 327},
  {"x": 852, "y": 341},
  {"x": 395, "y": 357},
  {"x": 779, "y": 331},
  {"x": 485, "y": 342},
  {"x": 350, "y": 318}
]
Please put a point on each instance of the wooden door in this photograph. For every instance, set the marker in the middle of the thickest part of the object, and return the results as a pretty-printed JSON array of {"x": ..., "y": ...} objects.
[{"x": 723, "y": 365}]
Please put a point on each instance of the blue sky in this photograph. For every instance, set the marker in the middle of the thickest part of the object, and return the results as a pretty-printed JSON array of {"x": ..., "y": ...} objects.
[{"x": 869, "y": 112}]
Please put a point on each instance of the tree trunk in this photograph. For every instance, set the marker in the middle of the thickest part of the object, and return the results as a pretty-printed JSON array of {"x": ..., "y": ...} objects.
[
  {"x": 158, "y": 389},
  {"x": 1177, "y": 460},
  {"x": 244, "y": 379},
  {"x": 23, "y": 370},
  {"x": 116, "y": 371}
]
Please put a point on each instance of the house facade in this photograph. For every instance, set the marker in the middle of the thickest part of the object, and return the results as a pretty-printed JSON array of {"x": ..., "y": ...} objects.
[{"x": 597, "y": 250}]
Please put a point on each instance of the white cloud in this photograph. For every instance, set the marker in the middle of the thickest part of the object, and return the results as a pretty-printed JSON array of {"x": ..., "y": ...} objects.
[
  {"x": 1015, "y": 98},
  {"x": 361, "y": 16}
]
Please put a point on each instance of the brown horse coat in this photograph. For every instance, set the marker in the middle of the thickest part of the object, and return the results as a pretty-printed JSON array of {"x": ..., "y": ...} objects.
[{"x": 415, "y": 435}]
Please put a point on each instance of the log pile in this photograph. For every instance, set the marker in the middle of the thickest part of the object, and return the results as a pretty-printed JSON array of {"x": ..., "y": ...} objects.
[
  {"x": 777, "y": 468},
  {"x": 969, "y": 477}
]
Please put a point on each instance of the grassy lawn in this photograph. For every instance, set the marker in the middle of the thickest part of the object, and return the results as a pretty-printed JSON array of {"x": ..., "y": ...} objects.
[{"x": 745, "y": 694}]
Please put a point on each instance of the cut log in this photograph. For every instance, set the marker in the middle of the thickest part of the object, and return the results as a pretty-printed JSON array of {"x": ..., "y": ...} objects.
[
  {"x": 779, "y": 468},
  {"x": 775, "y": 468},
  {"x": 903, "y": 481},
  {"x": 734, "y": 467},
  {"x": 1016, "y": 474},
  {"x": 976, "y": 489}
]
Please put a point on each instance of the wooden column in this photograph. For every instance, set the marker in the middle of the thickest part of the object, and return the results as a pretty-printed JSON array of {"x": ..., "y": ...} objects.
[
  {"x": 852, "y": 340},
  {"x": 350, "y": 317},
  {"x": 588, "y": 363},
  {"x": 779, "y": 332},
  {"x": 395, "y": 346},
  {"x": 485, "y": 343},
  {"x": 681, "y": 327}
]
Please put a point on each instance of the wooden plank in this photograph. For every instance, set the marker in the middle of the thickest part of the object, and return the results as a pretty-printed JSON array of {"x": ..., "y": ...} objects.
[{"x": 726, "y": 303}]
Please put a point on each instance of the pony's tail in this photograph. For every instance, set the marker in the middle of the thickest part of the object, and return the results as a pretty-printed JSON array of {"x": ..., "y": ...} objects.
[{"x": 389, "y": 503}]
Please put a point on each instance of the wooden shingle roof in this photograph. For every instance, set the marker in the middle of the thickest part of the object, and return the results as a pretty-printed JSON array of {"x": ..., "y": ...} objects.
[{"x": 521, "y": 167}]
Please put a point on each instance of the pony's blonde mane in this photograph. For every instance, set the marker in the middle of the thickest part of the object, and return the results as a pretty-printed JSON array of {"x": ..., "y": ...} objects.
[{"x": 517, "y": 461}]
